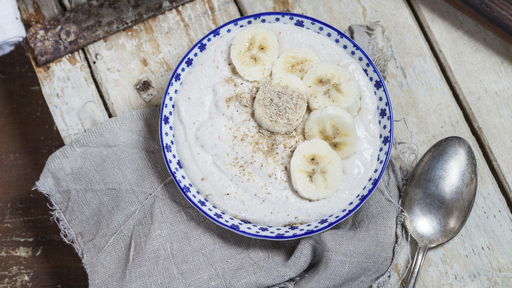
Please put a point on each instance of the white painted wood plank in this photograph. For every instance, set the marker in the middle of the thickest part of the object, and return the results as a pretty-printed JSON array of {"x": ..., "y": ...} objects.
[
  {"x": 481, "y": 255},
  {"x": 479, "y": 64},
  {"x": 71, "y": 95},
  {"x": 133, "y": 67},
  {"x": 66, "y": 83}
]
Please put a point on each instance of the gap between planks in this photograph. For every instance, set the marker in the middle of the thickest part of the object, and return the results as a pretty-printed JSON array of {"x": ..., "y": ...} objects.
[
  {"x": 62, "y": 6},
  {"x": 467, "y": 113},
  {"x": 96, "y": 85},
  {"x": 68, "y": 5},
  {"x": 240, "y": 12}
]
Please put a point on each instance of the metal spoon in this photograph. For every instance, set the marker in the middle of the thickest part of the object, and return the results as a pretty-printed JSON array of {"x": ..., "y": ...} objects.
[{"x": 439, "y": 196}]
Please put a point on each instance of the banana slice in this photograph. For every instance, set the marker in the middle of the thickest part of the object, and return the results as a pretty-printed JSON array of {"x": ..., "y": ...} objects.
[
  {"x": 290, "y": 81},
  {"x": 336, "y": 127},
  {"x": 253, "y": 52},
  {"x": 315, "y": 170},
  {"x": 331, "y": 85},
  {"x": 296, "y": 61},
  {"x": 279, "y": 109}
]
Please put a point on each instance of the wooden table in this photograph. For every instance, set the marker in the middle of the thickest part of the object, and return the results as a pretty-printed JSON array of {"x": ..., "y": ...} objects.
[{"x": 448, "y": 76}]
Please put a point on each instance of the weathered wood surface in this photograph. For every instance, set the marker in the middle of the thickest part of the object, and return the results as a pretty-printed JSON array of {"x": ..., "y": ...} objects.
[
  {"x": 33, "y": 12},
  {"x": 495, "y": 15},
  {"x": 32, "y": 253},
  {"x": 133, "y": 67},
  {"x": 481, "y": 255},
  {"x": 479, "y": 66},
  {"x": 67, "y": 83}
]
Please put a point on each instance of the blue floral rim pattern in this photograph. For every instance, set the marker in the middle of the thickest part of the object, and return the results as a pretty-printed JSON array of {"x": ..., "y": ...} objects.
[{"x": 245, "y": 228}]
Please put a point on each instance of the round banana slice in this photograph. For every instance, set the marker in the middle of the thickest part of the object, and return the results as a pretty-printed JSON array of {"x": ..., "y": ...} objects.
[
  {"x": 336, "y": 127},
  {"x": 316, "y": 170},
  {"x": 354, "y": 108},
  {"x": 279, "y": 109},
  {"x": 296, "y": 61},
  {"x": 331, "y": 85},
  {"x": 253, "y": 52},
  {"x": 290, "y": 81}
]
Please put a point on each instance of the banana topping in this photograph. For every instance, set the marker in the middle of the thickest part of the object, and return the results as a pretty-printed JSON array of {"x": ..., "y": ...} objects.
[
  {"x": 290, "y": 81},
  {"x": 279, "y": 109},
  {"x": 336, "y": 127},
  {"x": 331, "y": 85},
  {"x": 316, "y": 170},
  {"x": 298, "y": 79},
  {"x": 295, "y": 61},
  {"x": 253, "y": 52}
]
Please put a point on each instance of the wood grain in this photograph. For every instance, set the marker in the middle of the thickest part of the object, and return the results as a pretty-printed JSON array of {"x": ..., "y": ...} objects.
[
  {"x": 34, "y": 12},
  {"x": 133, "y": 67},
  {"x": 67, "y": 83},
  {"x": 479, "y": 67},
  {"x": 89, "y": 23},
  {"x": 480, "y": 256},
  {"x": 32, "y": 253},
  {"x": 494, "y": 15}
]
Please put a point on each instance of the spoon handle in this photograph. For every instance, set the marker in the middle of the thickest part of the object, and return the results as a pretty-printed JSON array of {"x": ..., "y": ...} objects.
[{"x": 416, "y": 265}]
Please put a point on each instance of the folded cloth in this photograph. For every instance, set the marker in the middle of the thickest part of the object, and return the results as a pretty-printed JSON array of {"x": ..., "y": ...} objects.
[
  {"x": 11, "y": 28},
  {"x": 116, "y": 203}
]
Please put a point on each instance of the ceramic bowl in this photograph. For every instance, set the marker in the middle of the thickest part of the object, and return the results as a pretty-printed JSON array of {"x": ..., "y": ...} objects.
[{"x": 172, "y": 159}]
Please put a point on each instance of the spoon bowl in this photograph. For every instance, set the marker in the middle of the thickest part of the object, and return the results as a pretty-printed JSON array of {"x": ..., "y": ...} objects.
[{"x": 439, "y": 196}]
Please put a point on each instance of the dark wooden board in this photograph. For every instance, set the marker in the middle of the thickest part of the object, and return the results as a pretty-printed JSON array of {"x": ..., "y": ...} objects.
[
  {"x": 32, "y": 253},
  {"x": 494, "y": 15},
  {"x": 90, "y": 22}
]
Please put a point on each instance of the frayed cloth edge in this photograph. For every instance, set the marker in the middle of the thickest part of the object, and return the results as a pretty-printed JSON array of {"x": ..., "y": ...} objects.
[{"x": 66, "y": 232}]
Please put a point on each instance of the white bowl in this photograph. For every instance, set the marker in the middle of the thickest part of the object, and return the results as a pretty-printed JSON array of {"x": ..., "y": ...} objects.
[{"x": 172, "y": 160}]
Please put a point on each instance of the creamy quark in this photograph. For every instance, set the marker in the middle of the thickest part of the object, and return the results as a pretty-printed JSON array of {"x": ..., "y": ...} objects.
[{"x": 242, "y": 168}]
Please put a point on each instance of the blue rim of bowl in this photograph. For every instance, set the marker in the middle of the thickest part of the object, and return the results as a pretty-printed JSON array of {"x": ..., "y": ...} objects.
[{"x": 306, "y": 233}]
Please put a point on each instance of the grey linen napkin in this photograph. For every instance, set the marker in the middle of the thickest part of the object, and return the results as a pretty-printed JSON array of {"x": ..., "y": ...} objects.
[
  {"x": 116, "y": 203},
  {"x": 374, "y": 41}
]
